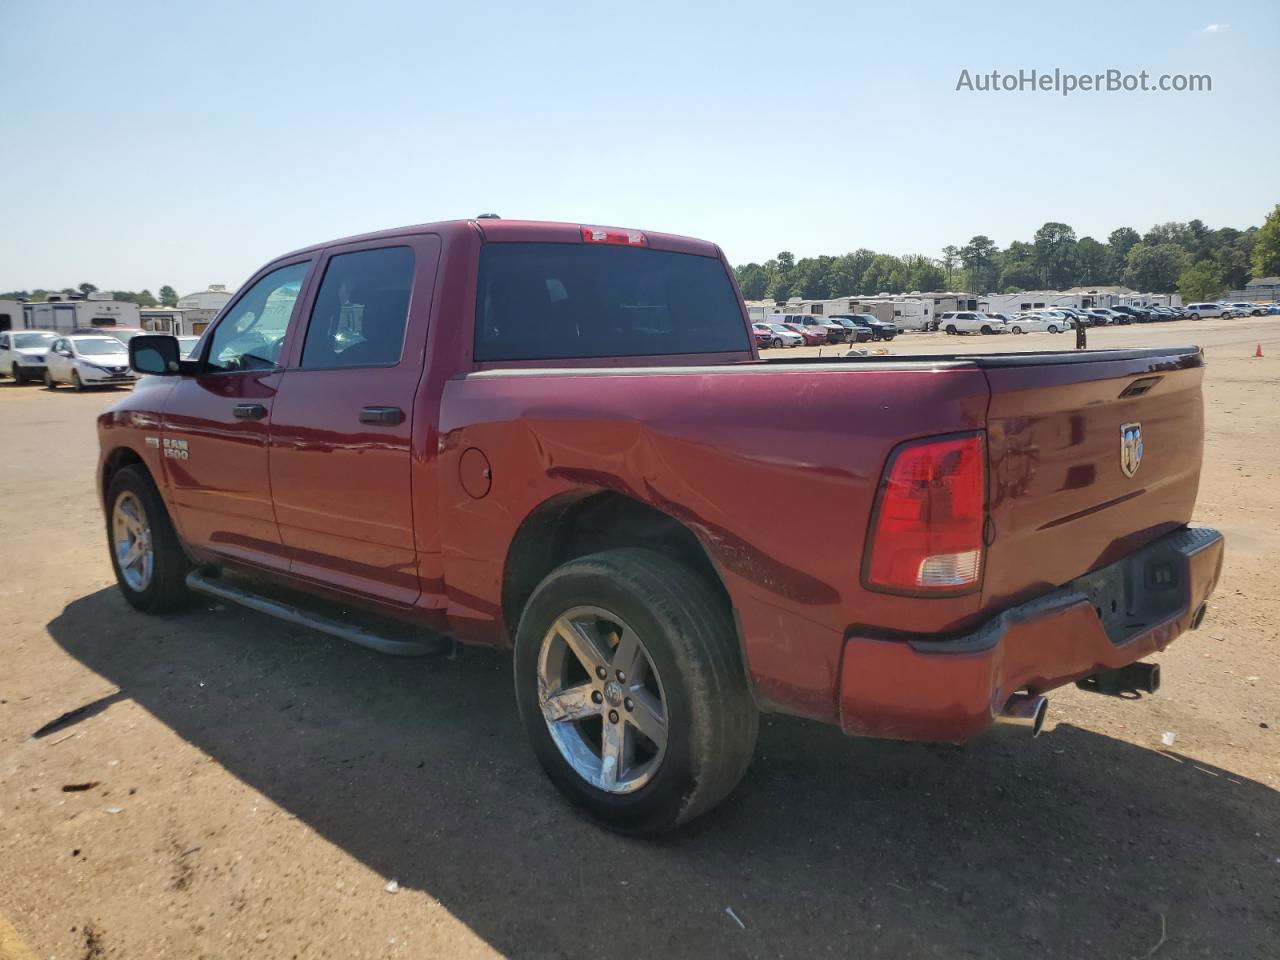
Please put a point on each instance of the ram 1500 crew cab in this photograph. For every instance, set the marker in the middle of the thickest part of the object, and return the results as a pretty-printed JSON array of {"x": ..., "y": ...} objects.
[{"x": 556, "y": 439}]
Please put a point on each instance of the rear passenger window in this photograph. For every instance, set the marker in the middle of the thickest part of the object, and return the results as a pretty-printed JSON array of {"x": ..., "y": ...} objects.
[
  {"x": 360, "y": 312},
  {"x": 545, "y": 301}
]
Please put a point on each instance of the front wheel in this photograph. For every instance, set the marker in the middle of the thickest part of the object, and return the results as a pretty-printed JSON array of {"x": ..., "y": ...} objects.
[
  {"x": 150, "y": 565},
  {"x": 951, "y": 328},
  {"x": 776, "y": 343},
  {"x": 631, "y": 686},
  {"x": 1014, "y": 330},
  {"x": 76, "y": 383},
  {"x": 985, "y": 329},
  {"x": 18, "y": 376},
  {"x": 1052, "y": 328},
  {"x": 49, "y": 382}
]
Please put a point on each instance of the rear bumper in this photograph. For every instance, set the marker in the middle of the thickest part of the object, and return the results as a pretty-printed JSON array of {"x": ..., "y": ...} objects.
[{"x": 951, "y": 690}]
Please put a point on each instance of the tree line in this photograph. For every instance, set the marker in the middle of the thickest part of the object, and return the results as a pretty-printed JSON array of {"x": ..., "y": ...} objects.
[
  {"x": 1198, "y": 262},
  {"x": 168, "y": 297}
]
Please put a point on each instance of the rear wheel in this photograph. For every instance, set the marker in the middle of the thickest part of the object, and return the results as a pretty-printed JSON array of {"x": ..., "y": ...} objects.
[
  {"x": 630, "y": 683},
  {"x": 951, "y": 328},
  {"x": 150, "y": 565}
]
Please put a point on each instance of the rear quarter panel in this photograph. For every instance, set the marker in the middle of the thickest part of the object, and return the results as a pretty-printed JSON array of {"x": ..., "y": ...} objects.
[{"x": 780, "y": 503}]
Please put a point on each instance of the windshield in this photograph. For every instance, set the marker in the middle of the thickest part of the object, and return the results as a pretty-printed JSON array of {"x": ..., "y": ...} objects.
[
  {"x": 98, "y": 346},
  {"x": 550, "y": 301},
  {"x": 778, "y": 328},
  {"x": 26, "y": 340}
]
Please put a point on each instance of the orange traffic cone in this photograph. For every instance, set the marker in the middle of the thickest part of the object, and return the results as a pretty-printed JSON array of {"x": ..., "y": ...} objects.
[{"x": 1258, "y": 352}]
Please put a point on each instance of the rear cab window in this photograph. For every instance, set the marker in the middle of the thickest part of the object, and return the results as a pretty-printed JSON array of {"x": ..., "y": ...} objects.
[{"x": 562, "y": 301}]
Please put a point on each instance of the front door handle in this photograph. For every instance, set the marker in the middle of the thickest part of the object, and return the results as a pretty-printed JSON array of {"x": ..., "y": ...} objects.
[
  {"x": 382, "y": 416},
  {"x": 249, "y": 411}
]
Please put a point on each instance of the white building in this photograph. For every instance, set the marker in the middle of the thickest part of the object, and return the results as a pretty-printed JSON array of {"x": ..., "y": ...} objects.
[
  {"x": 214, "y": 297},
  {"x": 63, "y": 313}
]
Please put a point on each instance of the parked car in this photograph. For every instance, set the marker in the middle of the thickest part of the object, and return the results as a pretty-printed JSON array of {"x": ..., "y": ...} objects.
[
  {"x": 775, "y": 335},
  {"x": 963, "y": 321},
  {"x": 1105, "y": 317},
  {"x": 1244, "y": 309},
  {"x": 1063, "y": 319},
  {"x": 1034, "y": 323},
  {"x": 832, "y": 332},
  {"x": 22, "y": 354},
  {"x": 812, "y": 335},
  {"x": 1203, "y": 311},
  {"x": 879, "y": 329},
  {"x": 1134, "y": 314},
  {"x": 856, "y": 333},
  {"x": 123, "y": 334},
  {"x": 87, "y": 362},
  {"x": 498, "y": 476},
  {"x": 187, "y": 345}
]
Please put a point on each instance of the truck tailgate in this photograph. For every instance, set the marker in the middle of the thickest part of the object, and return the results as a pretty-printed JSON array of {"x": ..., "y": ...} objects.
[{"x": 1062, "y": 500}]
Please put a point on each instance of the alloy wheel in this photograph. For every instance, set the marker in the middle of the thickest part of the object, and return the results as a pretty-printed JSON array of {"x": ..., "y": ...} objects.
[
  {"x": 602, "y": 699},
  {"x": 131, "y": 538}
]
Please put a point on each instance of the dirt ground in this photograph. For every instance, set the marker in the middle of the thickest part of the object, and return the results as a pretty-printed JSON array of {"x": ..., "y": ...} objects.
[{"x": 257, "y": 786}]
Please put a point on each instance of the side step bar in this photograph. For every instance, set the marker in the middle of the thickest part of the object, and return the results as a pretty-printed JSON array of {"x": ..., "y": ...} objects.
[{"x": 432, "y": 645}]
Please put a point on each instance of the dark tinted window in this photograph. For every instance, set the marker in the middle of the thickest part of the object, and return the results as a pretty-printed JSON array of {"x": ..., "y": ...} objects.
[
  {"x": 552, "y": 301},
  {"x": 360, "y": 312}
]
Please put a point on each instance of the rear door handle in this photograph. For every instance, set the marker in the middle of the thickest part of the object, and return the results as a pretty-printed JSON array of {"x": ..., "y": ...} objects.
[
  {"x": 249, "y": 411},
  {"x": 382, "y": 416}
]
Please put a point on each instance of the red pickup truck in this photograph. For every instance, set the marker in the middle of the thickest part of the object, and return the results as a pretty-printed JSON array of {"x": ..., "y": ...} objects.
[{"x": 556, "y": 438}]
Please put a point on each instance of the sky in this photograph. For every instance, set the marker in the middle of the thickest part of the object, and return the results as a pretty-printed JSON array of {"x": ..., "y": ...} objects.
[{"x": 185, "y": 144}]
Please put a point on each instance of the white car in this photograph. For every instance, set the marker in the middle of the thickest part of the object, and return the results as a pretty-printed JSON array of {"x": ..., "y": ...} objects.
[
  {"x": 1248, "y": 309},
  {"x": 22, "y": 354},
  {"x": 779, "y": 336},
  {"x": 964, "y": 321},
  {"x": 87, "y": 362},
  {"x": 1039, "y": 323},
  {"x": 1199, "y": 311}
]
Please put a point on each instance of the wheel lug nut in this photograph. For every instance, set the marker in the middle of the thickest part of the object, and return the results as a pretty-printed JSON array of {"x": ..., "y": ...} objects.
[
  {"x": 622, "y": 677},
  {"x": 613, "y": 716},
  {"x": 596, "y": 697},
  {"x": 601, "y": 672},
  {"x": 629, "y": 703}
]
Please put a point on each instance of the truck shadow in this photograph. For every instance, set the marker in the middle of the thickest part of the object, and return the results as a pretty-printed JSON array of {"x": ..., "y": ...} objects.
[{"x": 1071, "y": 845}]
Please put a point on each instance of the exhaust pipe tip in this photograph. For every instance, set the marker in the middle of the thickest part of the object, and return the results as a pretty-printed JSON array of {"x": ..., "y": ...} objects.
[{"x": 1025, "y": 710}]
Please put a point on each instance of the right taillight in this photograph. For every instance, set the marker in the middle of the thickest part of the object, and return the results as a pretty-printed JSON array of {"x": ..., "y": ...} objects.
[{"x": 927, "y": 530}]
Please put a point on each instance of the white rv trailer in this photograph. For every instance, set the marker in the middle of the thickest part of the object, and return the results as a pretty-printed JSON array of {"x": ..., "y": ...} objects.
[
  {"x": 63, "y": 313},
  {"x": 10, "y": 315}
]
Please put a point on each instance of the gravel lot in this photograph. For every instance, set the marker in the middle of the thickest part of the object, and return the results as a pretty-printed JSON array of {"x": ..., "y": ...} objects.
[{"x": 258, "y": 786}]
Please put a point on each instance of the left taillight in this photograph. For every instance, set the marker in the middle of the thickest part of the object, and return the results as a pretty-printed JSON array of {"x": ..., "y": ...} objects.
[
  {"x": 926, "y": 534},
  {"x": 622, "y": 238}
]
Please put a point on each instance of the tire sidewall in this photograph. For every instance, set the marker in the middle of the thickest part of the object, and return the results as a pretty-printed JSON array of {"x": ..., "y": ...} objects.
[
  {"x": 169, "y": 563},
  {"x": 645, "y": 809}
]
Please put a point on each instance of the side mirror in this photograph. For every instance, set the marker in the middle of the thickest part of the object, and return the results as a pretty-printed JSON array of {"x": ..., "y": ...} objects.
[{"x": 155, "y": 354}]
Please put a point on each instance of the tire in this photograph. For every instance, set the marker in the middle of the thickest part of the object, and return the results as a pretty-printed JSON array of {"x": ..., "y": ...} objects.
[
  {"x": 985, "y": 329},
  {"x": 76, "y": 383},
  {"x": 49, "y": 382},
  {"x": 1052, "y": 328},
  {"x": 951, "y": 328},
  {"x": 1011, "y": 330},
  {"x": 776, "y": 344},
  {"x": 690, "y": 647},
  {"x": 166, "y": 588},
  {"x": 19, "y": 377}
]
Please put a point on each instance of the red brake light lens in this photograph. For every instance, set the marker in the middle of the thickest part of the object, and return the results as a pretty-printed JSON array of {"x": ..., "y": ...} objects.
[
  {"x": 622, "y": 238},
  {"x": 927, "y": 532}
]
